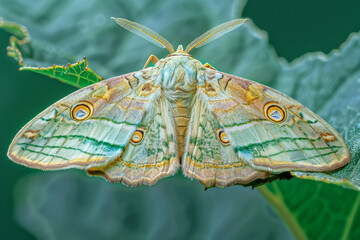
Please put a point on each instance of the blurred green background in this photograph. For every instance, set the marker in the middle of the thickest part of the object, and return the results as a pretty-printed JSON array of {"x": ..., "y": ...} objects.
[{"x": 70, "y": 205}]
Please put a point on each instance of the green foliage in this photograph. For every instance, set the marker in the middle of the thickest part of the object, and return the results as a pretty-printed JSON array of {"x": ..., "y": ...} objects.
[
  {"x": 327, "y": 84},
  {"x": 77, "y": 74}
]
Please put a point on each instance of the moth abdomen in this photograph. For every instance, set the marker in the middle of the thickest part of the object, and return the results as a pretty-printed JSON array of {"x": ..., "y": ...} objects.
[{"x": 181, "y": 115}]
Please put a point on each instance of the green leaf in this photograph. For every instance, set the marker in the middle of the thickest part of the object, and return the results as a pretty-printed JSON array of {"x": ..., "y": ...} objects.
[
  {"x": 327, "y": 84},
  {"x": 78, "y": 74}
]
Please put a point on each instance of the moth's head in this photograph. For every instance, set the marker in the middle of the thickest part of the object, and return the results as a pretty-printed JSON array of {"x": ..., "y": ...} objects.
[
  {"x": 180, "y": 52},
  {"x": 158, "y": 40}
]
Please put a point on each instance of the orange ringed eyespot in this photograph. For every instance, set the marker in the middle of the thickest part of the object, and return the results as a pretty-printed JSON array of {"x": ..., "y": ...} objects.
[
  {"x": 275, "y": 112},
  {"x": 137, "y": 136},
  {"x": 82, "y": 111},
  {"x": 223, "y": 137}
]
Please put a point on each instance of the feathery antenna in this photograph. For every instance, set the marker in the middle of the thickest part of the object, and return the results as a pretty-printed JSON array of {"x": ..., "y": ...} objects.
[
  {"x": 144, "y": 32},
  {"x": 215, "y": 33}
]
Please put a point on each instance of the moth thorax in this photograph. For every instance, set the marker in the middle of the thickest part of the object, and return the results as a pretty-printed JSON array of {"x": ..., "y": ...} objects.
[
  {"x": 181, "y": 114},
  {"x": 179, "y": 74}
]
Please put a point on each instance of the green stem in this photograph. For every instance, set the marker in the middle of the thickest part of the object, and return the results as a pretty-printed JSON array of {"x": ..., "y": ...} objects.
[
  {"x": 350, "y": 219},
  {"x": 277, "y": 202}
]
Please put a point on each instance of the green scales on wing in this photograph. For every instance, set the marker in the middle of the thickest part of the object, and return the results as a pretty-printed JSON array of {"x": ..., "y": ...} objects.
[{"x": 141, "y": 126}]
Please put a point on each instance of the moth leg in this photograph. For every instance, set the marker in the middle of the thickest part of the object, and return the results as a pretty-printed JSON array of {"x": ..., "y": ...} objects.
[
  {"x": 151, "y": 59},
  {"x": 207, "y": 65}
]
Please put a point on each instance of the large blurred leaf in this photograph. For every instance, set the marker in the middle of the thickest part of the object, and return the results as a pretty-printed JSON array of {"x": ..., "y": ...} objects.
[
  {"x": 70, "y": 206},
  {"x": 327, "y": 85}
]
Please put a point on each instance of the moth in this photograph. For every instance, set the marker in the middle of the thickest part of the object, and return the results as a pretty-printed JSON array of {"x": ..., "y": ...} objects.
[{"x": 142, "y": 126}]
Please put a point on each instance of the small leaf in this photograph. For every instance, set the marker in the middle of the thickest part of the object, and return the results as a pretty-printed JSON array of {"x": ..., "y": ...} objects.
[{"x": 78, "y": 74}]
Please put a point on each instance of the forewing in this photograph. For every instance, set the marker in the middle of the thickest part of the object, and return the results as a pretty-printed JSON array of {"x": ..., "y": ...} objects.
[
  {"x": 54, "y": 140},
  {"x": 302, "y": 141},
  {"x": 206, "y": 158}
]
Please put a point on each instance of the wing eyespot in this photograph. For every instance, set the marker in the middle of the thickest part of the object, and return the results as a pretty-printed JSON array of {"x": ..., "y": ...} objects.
[
  {"x": 223, "y": 137},
  {"x": 138, "y": 136},
  {"x": 82, "y": 111},
  {"x": 275, "y": 112}
]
